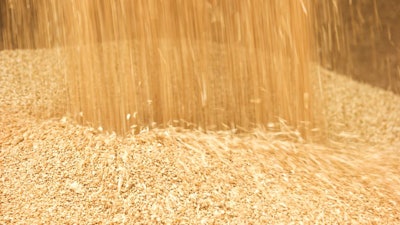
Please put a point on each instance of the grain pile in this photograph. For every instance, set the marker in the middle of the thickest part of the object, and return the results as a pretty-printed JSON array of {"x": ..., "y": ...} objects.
[
  {"x": 53, "y": 170},
  {"x": 359, "y": 112}
]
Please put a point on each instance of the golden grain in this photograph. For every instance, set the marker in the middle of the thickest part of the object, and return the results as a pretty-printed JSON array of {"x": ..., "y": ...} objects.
[{"x": 55, "y": 171}]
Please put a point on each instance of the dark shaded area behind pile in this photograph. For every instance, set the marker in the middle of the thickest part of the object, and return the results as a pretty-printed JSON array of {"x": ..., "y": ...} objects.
[{"x": 363, "y": 40}]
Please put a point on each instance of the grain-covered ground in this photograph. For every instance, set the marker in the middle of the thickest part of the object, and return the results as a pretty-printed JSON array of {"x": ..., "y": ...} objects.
[{"x": 54, "y": 171}]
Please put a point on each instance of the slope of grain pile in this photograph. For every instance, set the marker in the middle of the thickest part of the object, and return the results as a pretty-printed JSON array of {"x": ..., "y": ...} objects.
[{"x": 53, "y": 170}]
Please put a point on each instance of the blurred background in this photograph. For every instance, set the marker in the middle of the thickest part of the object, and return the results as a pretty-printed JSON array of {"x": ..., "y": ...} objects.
[{"x": 360, "y": 38}]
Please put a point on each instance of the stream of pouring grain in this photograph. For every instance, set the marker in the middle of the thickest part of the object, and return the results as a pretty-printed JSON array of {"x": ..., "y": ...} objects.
[{"x": 206, "y": 64}]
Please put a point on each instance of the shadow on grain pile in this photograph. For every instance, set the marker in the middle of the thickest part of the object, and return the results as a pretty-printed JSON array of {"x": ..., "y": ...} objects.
[{"x": 54, "y": 170}]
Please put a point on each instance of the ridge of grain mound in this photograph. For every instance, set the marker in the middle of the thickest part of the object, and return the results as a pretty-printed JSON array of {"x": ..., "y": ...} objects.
[{"x": 53, "y": 170}]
